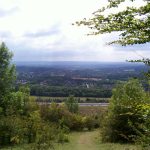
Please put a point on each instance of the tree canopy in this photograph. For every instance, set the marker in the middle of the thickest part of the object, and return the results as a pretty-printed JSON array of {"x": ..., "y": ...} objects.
[
  {"x": 128, "y": 114},
  {"x": 7, "y": 75},
  {"x": 132, "y": 23}
]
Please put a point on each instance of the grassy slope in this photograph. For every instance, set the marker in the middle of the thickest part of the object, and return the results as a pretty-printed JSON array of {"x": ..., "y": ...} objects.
[{"x": 89, "y": 141}]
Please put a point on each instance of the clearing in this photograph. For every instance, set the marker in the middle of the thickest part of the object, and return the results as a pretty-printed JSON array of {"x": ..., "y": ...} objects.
[{"x": 89, "y": 141}]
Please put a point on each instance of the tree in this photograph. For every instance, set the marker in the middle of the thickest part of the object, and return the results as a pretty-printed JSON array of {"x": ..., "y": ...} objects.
[
  {"x": 72, "y": 104},
  {"x": 7, "y": 76},
  {"x": 132, "y": 24},
  {"x": 20, "y": 120},
  {"x": 128, "y": 114}
]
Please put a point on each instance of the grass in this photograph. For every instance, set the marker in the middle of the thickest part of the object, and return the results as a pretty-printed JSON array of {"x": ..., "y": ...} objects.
[
  {"x": 87, "y": 140},
  {"x": 90, "y": 141}
]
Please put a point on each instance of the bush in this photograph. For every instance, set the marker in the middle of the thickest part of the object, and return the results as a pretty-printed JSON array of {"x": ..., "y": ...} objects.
[
  {"x": 62, "y": 137},
  {"x": 66, "y": 120},
  {"x": 11, "y": 130},
  {"x": 44, "y": 137},
  {"x": 88, "y": 122},
  {"x": 128, "y": 114},
  {"x": 72, "y": 104}
]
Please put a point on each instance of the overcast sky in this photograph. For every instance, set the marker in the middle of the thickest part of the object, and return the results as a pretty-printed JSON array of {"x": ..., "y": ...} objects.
[{"x": 41, "y": 30}]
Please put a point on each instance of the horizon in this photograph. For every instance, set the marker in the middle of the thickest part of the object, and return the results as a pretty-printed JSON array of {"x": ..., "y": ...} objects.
[{"x": 74, "y": 63}]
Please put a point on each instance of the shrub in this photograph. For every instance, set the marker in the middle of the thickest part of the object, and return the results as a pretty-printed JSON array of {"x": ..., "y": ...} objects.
[
  {"x": 11, "y": 130},
  {"x": 127, "y": 118},
  {"x": 88, "y": 122},
  {"x": 72, "y": 104},
  {"x": 62, "y": 137},
  {"x": 44, "y": 137}
]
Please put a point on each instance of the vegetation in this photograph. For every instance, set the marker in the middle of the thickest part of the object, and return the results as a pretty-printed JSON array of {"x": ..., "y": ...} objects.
[
  {"x": 57, "y": 91},
  {"x": 128, "y": 115},
  {"x": 62, "y": 99},
  {"x": 7, "y": 76},
  {"x": 23, "y": 122},
  {"x": 43, "y": 127},
  {"x": 90, "y": 140},
  {"x": 132, "y": 22},
  {"x": 96, "y": 80},
  {"x": 20, "y": 120},
  {"x": 129, "y": 112},
  {"x": 66, "y": 120},
  {"x": 72, "y": 104}
]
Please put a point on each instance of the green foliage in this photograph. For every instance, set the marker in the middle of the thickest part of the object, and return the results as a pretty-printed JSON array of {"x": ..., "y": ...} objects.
[
  {"x": 20, "y": 120},
  {"x": 7, "y": 76},
  {"x": 65, "y": 120},
  {"x": 132, "y": 23},
  {"x": 44, "y": 137},
  {"x": 63, "y": 91},
  {"x": 52, "y": 113},
  {"x": 11, "y": 130},
  {"x": 72, "y": 104},
  {"x": 59, "y": 115},
  {"x": 62, "y": 137},
  {"x": 89, "y": 123},
  {"x": 128, "y": 116}
]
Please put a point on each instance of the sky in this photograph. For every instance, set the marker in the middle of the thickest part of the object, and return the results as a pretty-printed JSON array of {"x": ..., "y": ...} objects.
[{"x": 42, "y": 30}]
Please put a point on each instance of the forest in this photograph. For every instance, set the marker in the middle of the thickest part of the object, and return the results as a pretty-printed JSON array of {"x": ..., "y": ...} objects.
[{"x": 61, "y": 79}]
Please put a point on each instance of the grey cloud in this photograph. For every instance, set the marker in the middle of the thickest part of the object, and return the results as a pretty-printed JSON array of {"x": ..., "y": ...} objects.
[
  {"x": 5, "y": 34},
  {"x": 4, "y": 12},
  {"x": 138, "y": 47},
  {"x": 52, "y": 31},
  {"x": 49, "y": 54},
  {"x": 25, "y": 53},
  {"x": 38, "y": 54}
]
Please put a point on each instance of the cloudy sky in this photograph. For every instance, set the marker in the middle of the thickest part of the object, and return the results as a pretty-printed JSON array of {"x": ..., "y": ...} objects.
[{"x": 41, "y": 30}]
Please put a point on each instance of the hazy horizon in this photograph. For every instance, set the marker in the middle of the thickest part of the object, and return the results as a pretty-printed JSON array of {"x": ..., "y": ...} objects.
[{"x": 74, "y": 63}]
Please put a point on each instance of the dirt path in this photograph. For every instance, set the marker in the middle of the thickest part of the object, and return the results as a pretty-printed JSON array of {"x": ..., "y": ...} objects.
[
  {"x": 87, "y": 141},
  {"x": 81, "y": 141}
]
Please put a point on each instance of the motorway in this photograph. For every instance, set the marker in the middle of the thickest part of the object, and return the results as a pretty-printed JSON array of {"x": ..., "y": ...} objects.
[{"x": 80, "y": 104}]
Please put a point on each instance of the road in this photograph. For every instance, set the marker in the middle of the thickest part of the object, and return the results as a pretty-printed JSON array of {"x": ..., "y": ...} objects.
[{"x": 80, "y": 104}]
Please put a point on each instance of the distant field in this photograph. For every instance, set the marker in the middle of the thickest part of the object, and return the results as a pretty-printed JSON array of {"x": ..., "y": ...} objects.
[{"x": 92, "y": 111}]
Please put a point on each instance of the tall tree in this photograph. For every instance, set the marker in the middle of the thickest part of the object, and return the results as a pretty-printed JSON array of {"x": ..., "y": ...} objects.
[
  {"x": 132, "y": 23},
  {"x": 72, "y": 104},
  {"x": 133, "y": 26},
  {"x": 128, "y": 114},
  {"x": 7, "y": 76}
]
